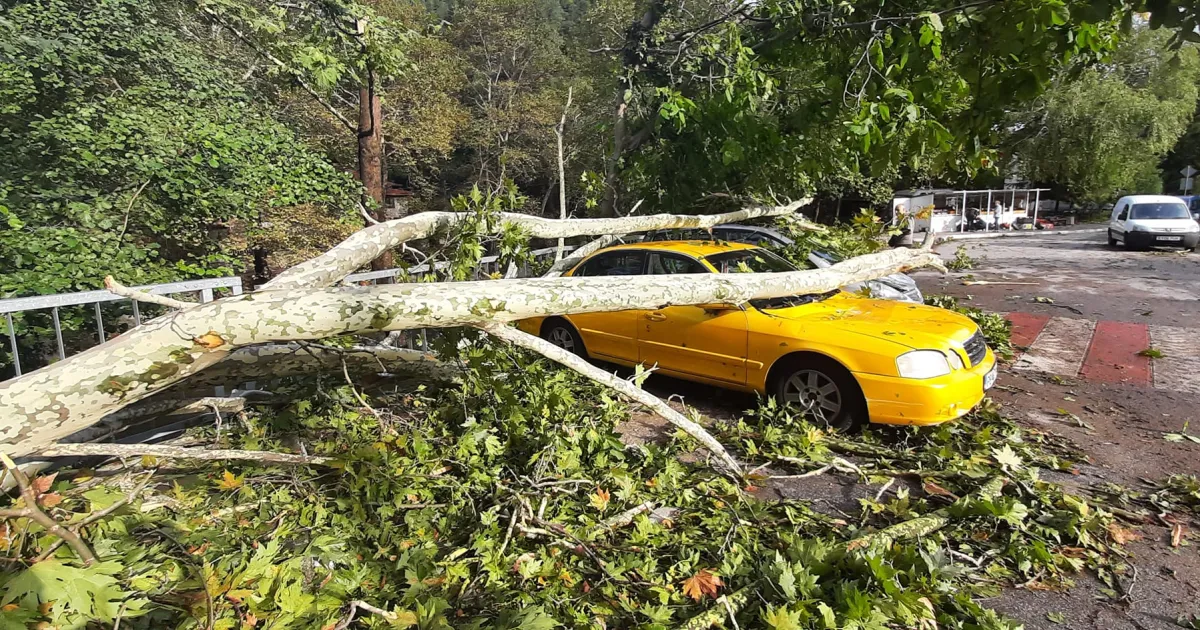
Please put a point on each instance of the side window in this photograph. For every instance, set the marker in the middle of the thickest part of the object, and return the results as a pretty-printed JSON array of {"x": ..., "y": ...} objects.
[
  {"x": 661, "y": 264},
  {"x": 1123, "y": 212},
  {"x": 737, "y": 236},
  {"x": 620, "y": 263}
]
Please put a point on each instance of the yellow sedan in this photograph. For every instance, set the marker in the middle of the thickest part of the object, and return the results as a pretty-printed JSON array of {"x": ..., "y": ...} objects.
[{"x": 842, "y": 359}]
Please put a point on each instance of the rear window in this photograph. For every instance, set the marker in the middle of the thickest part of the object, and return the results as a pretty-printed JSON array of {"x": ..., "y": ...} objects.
[{"x": 1159, "y": 211}]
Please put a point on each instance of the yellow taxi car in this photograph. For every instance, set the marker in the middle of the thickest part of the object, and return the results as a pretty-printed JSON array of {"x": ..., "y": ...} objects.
[{"x": 842, "y": 359}]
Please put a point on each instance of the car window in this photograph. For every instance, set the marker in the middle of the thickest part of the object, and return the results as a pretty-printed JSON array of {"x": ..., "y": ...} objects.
[
  {"x": 621, "y": 263},
  {"x": 1121, "y": 213},
  {"x": 748, "y": 261},
  {"x": 1159, "y": 211},
  {"x": 661, "y": 264}
]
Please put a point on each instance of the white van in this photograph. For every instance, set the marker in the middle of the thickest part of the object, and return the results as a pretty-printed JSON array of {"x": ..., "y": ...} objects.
[{"x": 1141, "y": 221}]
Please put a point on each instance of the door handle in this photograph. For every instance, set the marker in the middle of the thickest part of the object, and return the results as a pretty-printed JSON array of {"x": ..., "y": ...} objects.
[{"x": 656, "y": 317}]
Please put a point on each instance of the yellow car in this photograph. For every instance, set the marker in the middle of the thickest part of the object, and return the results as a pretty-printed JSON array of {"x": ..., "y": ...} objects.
[{"x": 843, "y": 359}]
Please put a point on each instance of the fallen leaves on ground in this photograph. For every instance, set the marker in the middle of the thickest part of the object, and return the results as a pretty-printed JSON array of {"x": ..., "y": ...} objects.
[{"x": 705, "y": 582}]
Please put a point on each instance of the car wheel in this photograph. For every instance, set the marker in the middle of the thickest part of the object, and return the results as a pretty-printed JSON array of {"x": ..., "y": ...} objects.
[
  {"x": 1112, "y": 242},
  {"x": 563, "y": 335},
  {"x": 824, "y": 391}
]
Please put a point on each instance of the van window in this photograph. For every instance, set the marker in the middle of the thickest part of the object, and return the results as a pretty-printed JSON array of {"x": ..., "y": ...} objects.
[
  {"x": 1159, "y": 211},
  {"x": 1121, "y": 212}
]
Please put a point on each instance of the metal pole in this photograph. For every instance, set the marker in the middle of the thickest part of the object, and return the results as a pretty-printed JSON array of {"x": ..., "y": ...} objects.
[
  {"x": 62, "y": 353},
  {"x": 1037, "y": 201},
  {"x": 99, "y": 322},
  {"x": 137, "y": 314},
  {"x": 12, "y": 339},
  {"x": 987, "y": 224},
  {"x": 962, "y": 214}
]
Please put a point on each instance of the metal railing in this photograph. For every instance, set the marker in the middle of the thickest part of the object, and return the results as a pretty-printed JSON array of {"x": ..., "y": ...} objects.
[{"x": 204, "y": 289}]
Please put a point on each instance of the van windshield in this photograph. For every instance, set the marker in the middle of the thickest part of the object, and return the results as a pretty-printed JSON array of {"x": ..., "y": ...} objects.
[{"x": 1159, "y": 211}]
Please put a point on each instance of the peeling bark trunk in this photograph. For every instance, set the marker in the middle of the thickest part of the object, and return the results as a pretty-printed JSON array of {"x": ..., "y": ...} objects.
[
  {"x": 55, "y": 401},
  {"x": 368, "y": 243},
  {"x": 370, "y": 155}
]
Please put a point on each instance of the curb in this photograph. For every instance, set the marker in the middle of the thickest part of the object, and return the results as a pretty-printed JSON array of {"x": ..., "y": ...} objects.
[{"x": 1015, "y": 234}]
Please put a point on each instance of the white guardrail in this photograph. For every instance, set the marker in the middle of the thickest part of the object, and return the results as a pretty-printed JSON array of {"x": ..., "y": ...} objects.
[{"x": 203, "y": 290}]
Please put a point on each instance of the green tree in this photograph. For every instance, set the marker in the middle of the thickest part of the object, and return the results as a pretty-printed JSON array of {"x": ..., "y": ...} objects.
[
  {"x": 1104, "y": 131},
  {"x": 786, "y": 96},
  {"x": 128, "y": 149}
]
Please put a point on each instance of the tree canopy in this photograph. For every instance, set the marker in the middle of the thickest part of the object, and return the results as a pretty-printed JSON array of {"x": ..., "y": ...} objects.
[{"x": 1102, "y": 132}]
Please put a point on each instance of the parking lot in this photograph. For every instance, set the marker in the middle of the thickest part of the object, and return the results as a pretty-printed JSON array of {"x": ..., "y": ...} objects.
[{"x": 1082, "y": 313}]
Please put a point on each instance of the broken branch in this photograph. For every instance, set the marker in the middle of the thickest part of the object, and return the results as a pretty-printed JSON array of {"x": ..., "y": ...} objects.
[
  {"x": 178, "y": 452},
  {"x": 654, "y": 403},
  {"x": 141, "y": 296},
  {"x": 32, "y": 512}
]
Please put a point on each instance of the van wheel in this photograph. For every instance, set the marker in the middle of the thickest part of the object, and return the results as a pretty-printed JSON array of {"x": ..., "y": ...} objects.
[
  {"x": 824, "y": 391},
  {"x": 1112, "y": 242},
  {"x": 562, "y": 334}
]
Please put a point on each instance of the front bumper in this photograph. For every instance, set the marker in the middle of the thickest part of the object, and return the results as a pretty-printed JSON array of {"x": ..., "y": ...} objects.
[
  {"x": 921, "y": 402},
  {"x": 1187, "y": 240}
]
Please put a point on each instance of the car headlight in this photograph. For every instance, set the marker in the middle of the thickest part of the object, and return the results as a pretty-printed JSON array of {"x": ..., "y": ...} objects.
[
  {"x": 1138, "y": 228},
  {"x": 956, "y": 361},
  {"x": 1194, "y": 227},
  {"x": 922, "y": 364}
]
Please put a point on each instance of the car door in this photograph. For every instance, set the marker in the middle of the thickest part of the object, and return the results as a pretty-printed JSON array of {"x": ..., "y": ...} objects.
[
  {"x": 1119, "y": 216},
  {"x": 691, "y": 340},
  {"x": 611, "y": 335}
]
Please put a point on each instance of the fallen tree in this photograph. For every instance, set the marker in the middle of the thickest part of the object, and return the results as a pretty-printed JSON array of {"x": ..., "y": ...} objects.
[{"x": 42, "y": 407}]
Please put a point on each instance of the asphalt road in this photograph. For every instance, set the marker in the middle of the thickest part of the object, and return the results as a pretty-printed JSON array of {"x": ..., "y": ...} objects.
[{"x": 1079, "y": 271}]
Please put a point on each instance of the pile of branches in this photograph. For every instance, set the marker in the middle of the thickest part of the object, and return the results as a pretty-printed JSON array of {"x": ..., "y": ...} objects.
[
  {"x": 498, "y": 492},
  {"x": 511, "y": 501}
]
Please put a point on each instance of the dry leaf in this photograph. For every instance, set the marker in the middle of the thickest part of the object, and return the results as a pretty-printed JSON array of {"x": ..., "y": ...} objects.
[
  {"x": 50, "y": 499},
  {"x": 599, "y": 499},
  {"x": 41, "y": 485},
  {"x": 936, "y": 490},
  {"x": 229, "y": 481},
  {"x": 209, "y": 340},
  {"x": 703, "y": 583},
  {"x": 250, "y": 621},
  {"x": 1122, "y": 535},
  {"x": 1177, "y": 532}
]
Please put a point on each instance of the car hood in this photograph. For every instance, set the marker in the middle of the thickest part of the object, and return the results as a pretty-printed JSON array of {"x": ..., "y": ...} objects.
[
  {"x": 1165, "y": 225},
  {"x": 911, "y": 325}
]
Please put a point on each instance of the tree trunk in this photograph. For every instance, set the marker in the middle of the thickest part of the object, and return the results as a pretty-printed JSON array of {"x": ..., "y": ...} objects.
[
  {"x": 370, "y": 156},
  {"x": 43, "y": 406}
]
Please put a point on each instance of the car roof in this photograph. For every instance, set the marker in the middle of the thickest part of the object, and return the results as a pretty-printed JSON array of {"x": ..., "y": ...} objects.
[
  {"x": 1150, "y": 199},
  {"x": 698, "y": 249}
]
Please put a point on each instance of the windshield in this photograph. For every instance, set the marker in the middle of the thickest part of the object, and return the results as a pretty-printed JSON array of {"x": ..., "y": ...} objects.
[
  {"x": 748, "y": 261},
  {"x": 1159, "y": 211}
]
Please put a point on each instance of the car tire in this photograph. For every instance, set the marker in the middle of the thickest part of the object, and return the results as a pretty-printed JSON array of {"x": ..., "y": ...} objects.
[
  {"x": 826, "y": 392},
  {"x": 562, "y": 334},
  {"x": 1112, "y": 242}
]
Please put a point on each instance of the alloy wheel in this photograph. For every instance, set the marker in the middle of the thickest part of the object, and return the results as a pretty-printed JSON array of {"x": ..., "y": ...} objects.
[{"x": 815, "y": 393}]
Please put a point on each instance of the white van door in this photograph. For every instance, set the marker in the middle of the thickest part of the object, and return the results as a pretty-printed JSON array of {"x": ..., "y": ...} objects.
[{"x": 1116, "y": 224}]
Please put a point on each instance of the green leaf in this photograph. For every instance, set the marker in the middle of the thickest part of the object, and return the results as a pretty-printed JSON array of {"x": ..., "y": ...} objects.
[
  {"x": 91, "y": 592},
  {"x": 1007, "y": 458},
  {"x": 782, "y": 619}
]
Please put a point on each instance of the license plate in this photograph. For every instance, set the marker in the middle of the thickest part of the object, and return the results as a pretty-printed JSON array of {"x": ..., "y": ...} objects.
[
  {"x": 1170, "y": 238},
  {"x": 989, "y": 379}
]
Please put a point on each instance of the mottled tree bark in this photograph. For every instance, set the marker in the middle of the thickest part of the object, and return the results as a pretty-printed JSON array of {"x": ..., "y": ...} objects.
[{"x": 43, "y": 406}]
